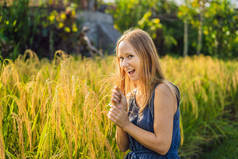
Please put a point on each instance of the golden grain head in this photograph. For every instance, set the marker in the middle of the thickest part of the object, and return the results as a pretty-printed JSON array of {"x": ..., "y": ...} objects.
[{"x": 60, "y": 106}]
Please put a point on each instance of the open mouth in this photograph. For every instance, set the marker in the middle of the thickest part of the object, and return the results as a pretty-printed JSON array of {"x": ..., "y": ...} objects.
[{"x": 131, "y": 72}]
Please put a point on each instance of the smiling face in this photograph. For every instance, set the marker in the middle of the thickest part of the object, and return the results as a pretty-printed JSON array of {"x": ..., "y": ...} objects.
[
  {"x": 138, "y": 64},
  {"x": 129, "y": 61}
]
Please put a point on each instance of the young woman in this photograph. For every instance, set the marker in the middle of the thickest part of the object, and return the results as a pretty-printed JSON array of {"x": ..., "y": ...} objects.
[{"x": 147, "y": 118}]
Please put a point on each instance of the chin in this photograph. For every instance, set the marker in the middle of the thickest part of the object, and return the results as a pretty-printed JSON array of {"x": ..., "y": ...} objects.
[{"x": 134, "y": 79}]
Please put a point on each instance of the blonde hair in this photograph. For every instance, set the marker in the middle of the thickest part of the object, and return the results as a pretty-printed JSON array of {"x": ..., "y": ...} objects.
[{"x": 151, "y": 70}]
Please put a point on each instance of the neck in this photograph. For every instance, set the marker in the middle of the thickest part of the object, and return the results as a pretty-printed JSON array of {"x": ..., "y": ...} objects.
[{"x": 138, "y": 87}]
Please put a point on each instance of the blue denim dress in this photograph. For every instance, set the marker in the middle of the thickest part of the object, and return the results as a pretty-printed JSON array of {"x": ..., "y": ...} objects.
[{"x": 145, "y": 121}]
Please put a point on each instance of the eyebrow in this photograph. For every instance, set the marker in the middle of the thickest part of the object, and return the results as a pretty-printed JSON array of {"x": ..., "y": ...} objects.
[{"x": 127, "y": 53}]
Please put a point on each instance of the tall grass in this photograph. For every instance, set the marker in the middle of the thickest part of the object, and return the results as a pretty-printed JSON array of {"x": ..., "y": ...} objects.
[
  {"x": 58, "y": 109},
  {"x": 209, "y": 96}
]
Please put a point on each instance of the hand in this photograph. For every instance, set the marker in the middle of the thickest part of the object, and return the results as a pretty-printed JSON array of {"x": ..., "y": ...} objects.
[
  {"x": 118, "y": 116},
  {"x": 118, "y": 99}
]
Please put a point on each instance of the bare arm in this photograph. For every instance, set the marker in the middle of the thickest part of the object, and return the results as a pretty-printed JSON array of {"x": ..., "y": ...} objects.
[
  {"x": 164, "y": 108},
  {"x": 122, "y": 139}
]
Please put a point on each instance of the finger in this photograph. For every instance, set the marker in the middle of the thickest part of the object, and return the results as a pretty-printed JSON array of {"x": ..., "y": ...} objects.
[
  {"x": 114, "y": 107},
  {"x": 113, "y": 120},
  {"x": 115, "y": 91},
  {"x": 115, "y": 111},
  {"x": 111, "y": 105},
  {"x": 116, "y": 97},
  {"x": 118, "y": 108},
  {"x": 114, "y": 114},
  {"x": 119, "y": 90},
  {"x": 115, "y": 101},
  {"x": 112, "y": 117}
]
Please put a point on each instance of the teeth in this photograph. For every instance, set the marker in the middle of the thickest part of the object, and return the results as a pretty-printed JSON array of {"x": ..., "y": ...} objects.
[{"x": 131, "y": 71}]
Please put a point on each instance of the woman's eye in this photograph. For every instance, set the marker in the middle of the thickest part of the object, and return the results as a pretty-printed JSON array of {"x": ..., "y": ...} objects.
[
  {"x": 130, "y": 56},
  {"x": 121, "y": 58}
]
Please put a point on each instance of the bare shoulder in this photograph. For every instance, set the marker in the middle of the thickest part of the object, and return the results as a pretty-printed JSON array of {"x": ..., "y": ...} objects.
[
  {"x": 165, "y": 88},
  {"x": 165, "y": 96}
]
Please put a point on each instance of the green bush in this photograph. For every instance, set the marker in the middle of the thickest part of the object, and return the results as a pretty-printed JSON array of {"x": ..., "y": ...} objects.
[
  {"x": 219, "y": 26},
  {"x": 16, "y": 28},
  {"x": 38, "y": 29},
  {"x": 220, "y": 29},
  {"x": 61, "y": 29},
  {"x": 145, "y": 15}
]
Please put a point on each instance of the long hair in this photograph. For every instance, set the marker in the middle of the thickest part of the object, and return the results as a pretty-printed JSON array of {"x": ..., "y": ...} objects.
[{"x": 151, "y": 70}]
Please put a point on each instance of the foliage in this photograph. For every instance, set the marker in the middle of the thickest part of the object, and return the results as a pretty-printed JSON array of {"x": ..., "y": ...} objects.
[
  {"x": 169, "y": 37},
  {"x": 151, "y": 25},
  {"x": 63, "y": 18},
  {"x": 24, "y": 28},
  {"x": 145, "y": 15},
  {"x": 135, "y": 13},
  {"x": 221, "y": 29},
  {"x": 62, "y": 29},
  {"x": 58, "y": 109},
  {"x": 219, "y": 25},
  {"x": 16, "y": 28}
]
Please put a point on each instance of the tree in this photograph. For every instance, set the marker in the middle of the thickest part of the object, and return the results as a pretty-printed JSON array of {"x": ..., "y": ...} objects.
[
  {"x": 199, "y": 6},
  {"x": 184, "y": 14}
]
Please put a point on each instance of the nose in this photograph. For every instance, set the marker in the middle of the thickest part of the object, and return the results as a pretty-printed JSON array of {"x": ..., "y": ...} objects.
[{"x": 124, "y": 63}]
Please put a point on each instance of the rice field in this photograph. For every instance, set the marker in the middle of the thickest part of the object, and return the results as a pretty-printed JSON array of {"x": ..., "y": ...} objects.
[{"x": 57, "y": 109}]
